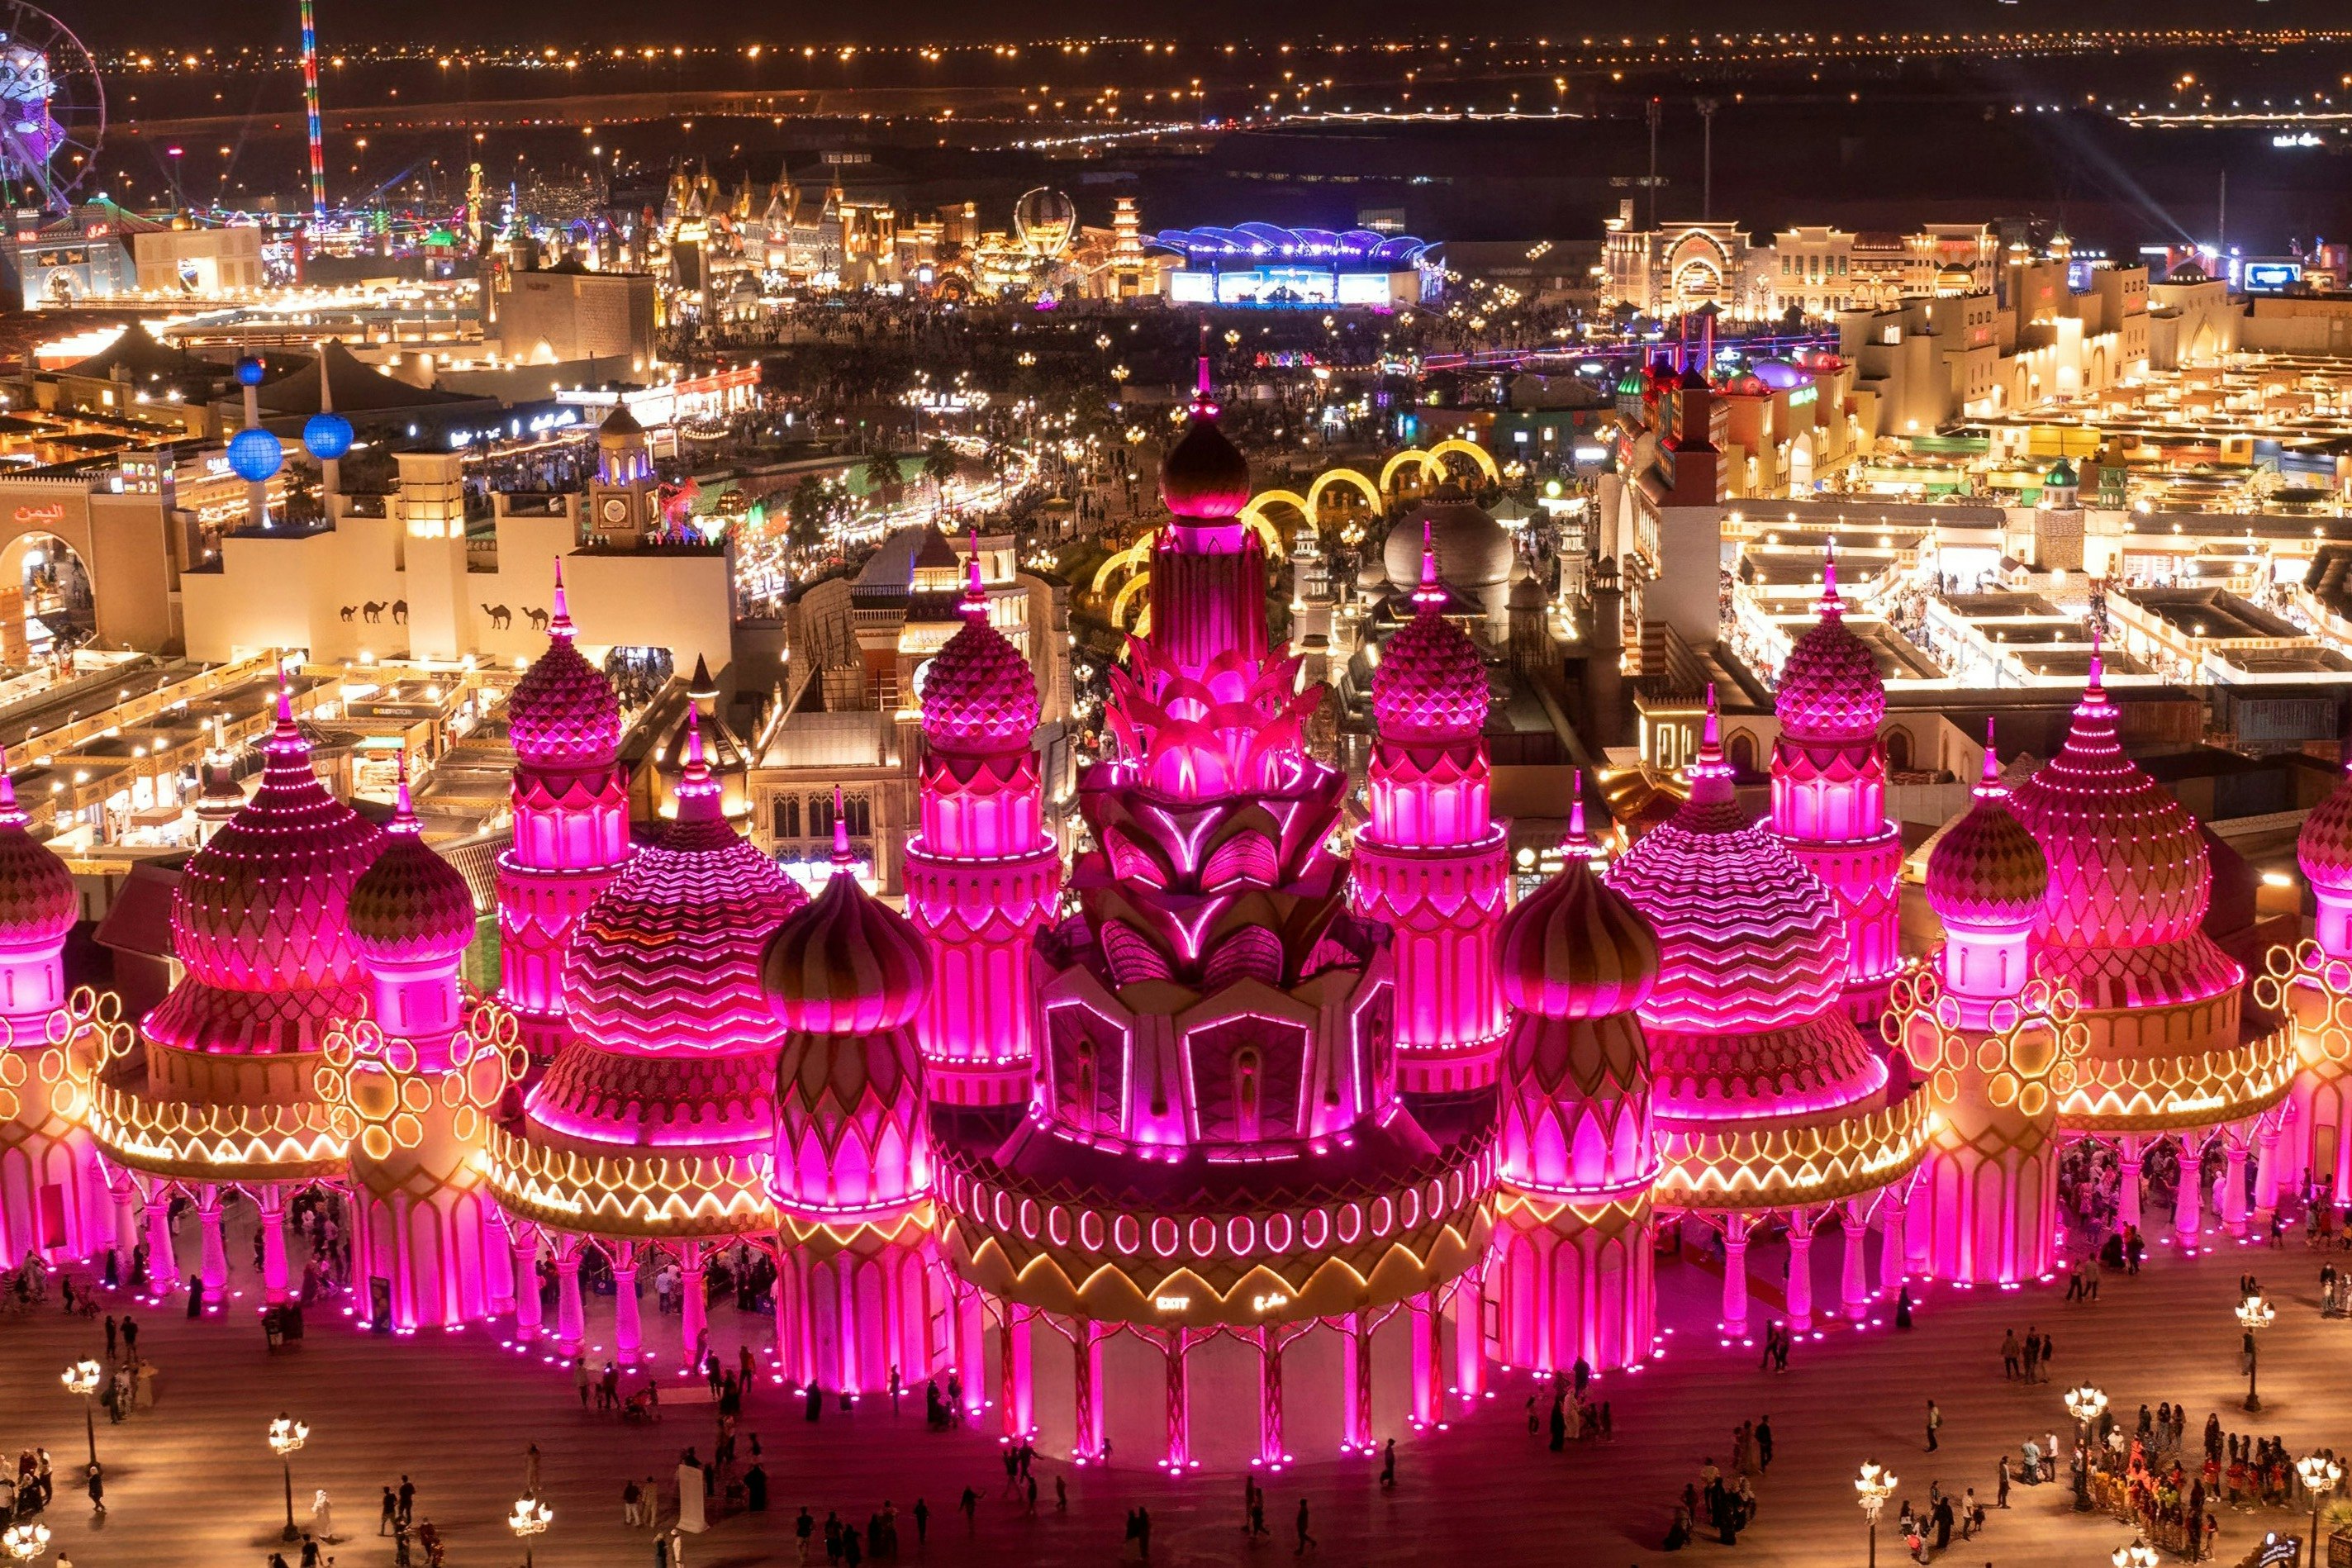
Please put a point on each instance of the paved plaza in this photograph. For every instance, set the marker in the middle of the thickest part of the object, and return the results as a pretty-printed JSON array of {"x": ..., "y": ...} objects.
[{"x": 193, "y": 1483}]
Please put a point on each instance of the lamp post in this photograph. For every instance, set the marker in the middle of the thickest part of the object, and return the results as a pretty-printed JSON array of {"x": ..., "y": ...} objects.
[
  {"x": 2254, "y": 1315},
  {"x": 2084, "y": 1403},
  {"x": 531, "y": 1517},
  {"x": 24, "y": 1541},
  {"x": 1872, "y": 1489},
  {"x": 2321, "y": 1475},
  {"x": 287, "y": 1437},
  {"x": 2139, "y": 1555},
  {"x": 83, "y": 1378}
]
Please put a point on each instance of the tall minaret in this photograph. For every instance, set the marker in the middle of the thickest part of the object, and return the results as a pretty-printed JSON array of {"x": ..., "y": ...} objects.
[
  {"x": 570, "y": 823},
  {"x": 983, "y": 874},
  {"x": 1208, "y": 569},
  {"x": 1572, "y": 1271},
  {"x": 1988, "y": 1039},
  {"x": 1829, "y": 791},
  {"x": 1430, "y": 861}
]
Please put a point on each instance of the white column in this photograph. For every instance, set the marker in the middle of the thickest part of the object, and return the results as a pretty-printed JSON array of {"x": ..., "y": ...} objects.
[
  {"x": 2187, "y": 1203},
  {"x": 2266, "y": 1171},
  {"x": 1801, "y": 1272},
  {"x": 1891, "y": 1253},
  {"x": 1734, "y": 1276},
  {"x": 693, "y": 1310},
  {"x": 1853, "y": 1286},
  {"x": 2233, "y": 1182},
  {"x": 2127, "y": 1194}
]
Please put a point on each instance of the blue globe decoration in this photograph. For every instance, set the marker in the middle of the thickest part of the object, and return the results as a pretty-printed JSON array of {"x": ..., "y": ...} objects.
[
  {"x": 326, "y": 436},
  {"x": 249, "y": 370},
  {"x": 256, "y": 455}
]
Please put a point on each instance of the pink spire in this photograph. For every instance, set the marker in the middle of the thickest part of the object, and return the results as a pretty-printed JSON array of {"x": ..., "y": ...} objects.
[
  {"x": 404, "y": 816},
  {"x": 10, "y": 812},
  {"x": 1576, "y": 807},
  {"x": 840, "y": 835},
  {"x": 1710, "y": 775},
  {"x": 559, "y": 623},
  {"x": 1203, "y": 406},
  {"x": 2098, "y": 666},
  {"x": 699, "y": 793},
  {"x": 974, "y": 607},
  {"x": 1831, "y": 603},
  {"x": 1989, "y": 784},
  {"x": 1430, "y": 597}
]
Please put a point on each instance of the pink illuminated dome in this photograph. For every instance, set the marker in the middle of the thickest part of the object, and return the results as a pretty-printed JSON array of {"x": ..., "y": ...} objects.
[
  {"x": 979, "y": 694},
  {"x": 1430, "y": 684},
  {"x": 1987, "y": 869},
  {"x": 847, "y": 964},
  {"x": 667, "y": 958},
  {"x": 562, "y": 713},
  {"x": 1752, "y": 954},
  {"x": 2323, "y": 846},
  {"x": 39, "y": 905},
  {"x": 1576, "y": 947},
  {"x": 411, "y": 907},
  {"x": 2127, "y": 865},
  {"x": 1204, "y": 476},
  {"x": 1830, "y": 688},
  {"x": 261, "y": 917}
]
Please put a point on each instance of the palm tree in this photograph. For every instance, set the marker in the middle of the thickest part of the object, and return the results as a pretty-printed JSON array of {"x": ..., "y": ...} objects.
[
  {"x": 811, "y": 506},
  {"x": 938, "y": 466},
  {"x": 884, "y": 474}
]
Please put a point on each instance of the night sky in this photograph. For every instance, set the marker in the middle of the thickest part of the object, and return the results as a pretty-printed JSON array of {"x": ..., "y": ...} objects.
[{"x": 230, "y": 23}]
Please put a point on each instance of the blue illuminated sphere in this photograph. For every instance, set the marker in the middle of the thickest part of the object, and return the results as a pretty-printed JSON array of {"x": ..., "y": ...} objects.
[
  {"x": 327, "y": 437},
  {"x": 249, "y": 370},
  {"x": 256, "y": 455}
]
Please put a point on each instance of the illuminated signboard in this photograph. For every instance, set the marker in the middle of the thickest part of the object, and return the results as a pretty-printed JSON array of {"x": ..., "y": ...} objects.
[{"x": 2269, "y": 277}]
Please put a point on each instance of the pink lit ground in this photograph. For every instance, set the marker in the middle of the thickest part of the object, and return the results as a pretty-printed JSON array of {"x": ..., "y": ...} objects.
[{"x": 191, "y": 1483}]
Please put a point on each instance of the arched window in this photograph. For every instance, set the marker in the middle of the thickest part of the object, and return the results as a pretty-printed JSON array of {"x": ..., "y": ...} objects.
[
  {"x": 1898, "y": 751},
  {"x": 1742, "y": 755}
]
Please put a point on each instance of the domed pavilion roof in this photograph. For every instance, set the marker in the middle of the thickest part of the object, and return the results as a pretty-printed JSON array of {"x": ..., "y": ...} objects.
[
  {"x": 1830, "y": 691},
  {"x": 562, "y": 713},
  {"x": 1430, "y": 684},
  {"x": 39, "y": 905},
  {"x": 979, "y": 694},
  {"x": 1986, "y": 869}
]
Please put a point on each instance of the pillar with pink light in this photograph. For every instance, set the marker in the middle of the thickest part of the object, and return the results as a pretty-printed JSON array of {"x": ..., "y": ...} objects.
[
  {"x": 1829, "y": 790},
  {"x": 859, "y": 1286},
  {"x": 1996, "y": 1045},
  {"x": 419, "y": 1075},
  {"x": 983, "y": 874},
  {"x": 2312, "y": 983},
  {"x": 570, "y": 823},
  {"x": 53, "y": 1194},
  {"x": 1572, "y": 1268},
  {"x": 1430, "y": 862}
]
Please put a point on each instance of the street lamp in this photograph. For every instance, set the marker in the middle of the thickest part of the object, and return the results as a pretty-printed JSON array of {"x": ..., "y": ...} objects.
[
  {"x": 287, "y": 1437},
  {"x": 531, "y": 1517},
  {"x": 2139, "y": 1555},
  {"x": 26, "y": 1541},
  {"x": 2254, "y": 1315},
  {"x": 2085, "y": 1404},
  {"x": 1875, "y": 1486},
  {"x": 83, "y": 1378},
  {"x": 2321, "y": 1475}
]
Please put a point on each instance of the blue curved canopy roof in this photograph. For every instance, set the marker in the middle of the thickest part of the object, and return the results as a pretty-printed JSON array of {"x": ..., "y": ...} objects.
[{"x": 1266, "y": 243}]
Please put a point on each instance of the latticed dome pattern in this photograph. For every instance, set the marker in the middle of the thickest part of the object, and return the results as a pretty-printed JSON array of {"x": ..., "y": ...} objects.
[
  {"x": 979, "y": 694},
  {"x": 1987, "y": 869},
  {"x": 1831, "y": 689},
  {"x": 1430, "y": 684},
  {"x": 411, "y": 906},
  {"x": 562, "y": 713},
  {"x": 1576, "y": 947},
  {"x": 2127, "y": 866},
  {"x": 39, "y": 905},
  {"x": 2323, "y": 846}
]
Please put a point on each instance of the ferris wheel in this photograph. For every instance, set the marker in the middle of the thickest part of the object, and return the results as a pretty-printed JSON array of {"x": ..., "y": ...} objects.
[{"x": 52, "y": 109}]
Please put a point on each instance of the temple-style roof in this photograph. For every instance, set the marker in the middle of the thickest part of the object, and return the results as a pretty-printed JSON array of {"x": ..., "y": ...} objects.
[
  {"x": 1831, "y": 691},
  {"x": 411, "y": 907},
  {"x": 39, "y": 905},
  {"x": 979, "y": 694},
  {"x": 1986, "y": 869},
  {"x": 845, "y": 964},
  {"x": 1430, "y": 684},
  {"x": 562, "y": 713},
  {"x": 2323, "y": 846},
  {"x": 1576, "y": 947}
]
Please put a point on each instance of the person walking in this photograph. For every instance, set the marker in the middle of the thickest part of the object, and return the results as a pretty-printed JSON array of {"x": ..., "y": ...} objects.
[
  {"x": 2009, "y": 1356},
  {"x": 408, "y": 1500},
  {"x": 1305, "y": 1538},
  {"x": 110, "y": 1336},
  {"x": 531, "y": 1472},
  {"x": 196, "y": 1296},
  {"x": 129, "y": 1337},
  {"x": 97, "y": 1487},
  {"x": 1934, "y": 1424},
  {"x": 580, "y": 1378},
  {"x": 391, "y": 1515},
  {"x": 1388, "y": 1466},
  {"x": 1764, "y": 1445}
]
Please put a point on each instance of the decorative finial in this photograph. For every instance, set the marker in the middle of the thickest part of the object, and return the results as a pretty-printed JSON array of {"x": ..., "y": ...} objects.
[
  {"x": 285, "y": 699},
  {"x": 404, "y": 816},
  {"x": 696, "y": 765},
  {"x": 975, "y": 591},
  {"x": 2098, "y": 665},
  {"x": 840, "y": 834},
  {"x": 1711, "y": 737},
  {"x": 1430, "y": 593},
  {"x": 1831, "y": 605},
  {"x": 559, "y": 623},
  {"x": 1575, "y": 809},
  {"x": 9, "y": 809}
]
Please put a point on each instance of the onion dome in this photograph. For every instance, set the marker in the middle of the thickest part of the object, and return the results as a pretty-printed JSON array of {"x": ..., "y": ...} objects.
[
  {"x": 412, "y": 907},
  {"x": 39, "y": 905},
  {"x": 1204, "y": 476},
  {"x": 261, "y": 911},
  {"x": 847, "y": 964},
  {"x": 667, "y": 958},
  {"x": 1474, "y": 551},
  {"x": 1430, "y": 684},
  {"x": 1576, "y": 947},
  {"x": 1986, "y": 869},
  {"x": 979, "y": 694},
  {"x": 562, "y": 713},
  {"x": 1830, "y": 688},
  {"x": 2127, "y": 867},
  {"x": 1752, "y": 957},
  {"x": 2323, "y": 846},
  {"x": 2061, "y": 476}
]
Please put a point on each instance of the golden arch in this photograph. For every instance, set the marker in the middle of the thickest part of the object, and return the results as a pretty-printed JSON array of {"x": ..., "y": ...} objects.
[
  {"x": 1475, "y": 452},
  {"x": 1128, "y": 591},
  {"x": 1409, "y": 454},
  {"x": 1260, "y": 524},
  {"x": 1131, "y": 559},
  {"x": 1326, "y": 480}
]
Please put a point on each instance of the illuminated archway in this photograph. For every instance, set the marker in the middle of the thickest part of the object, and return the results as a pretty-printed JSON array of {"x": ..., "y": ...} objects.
[
  {"x": 1128, "y": 590},
  {"x": 1131, "y": 559},
  {"x": 1335, "y": 477},
  {"x": 55, "y": 601},
  {"x": 1409, "y": 454},
  {"x": 1475, "y": 452},
  {"x": 1253, "y": 515}
]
